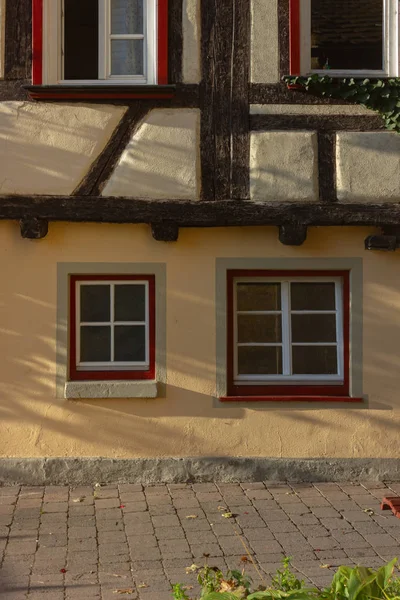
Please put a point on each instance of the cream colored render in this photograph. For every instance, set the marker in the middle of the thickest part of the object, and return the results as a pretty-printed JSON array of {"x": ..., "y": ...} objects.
[
  {"x": 188, "y": 421},
  {"x": 48, "y": 148},
  {"x": 264, "y": 41},
  {"x": 162, "y": 158},
  {"x": 191, "y": 62}
]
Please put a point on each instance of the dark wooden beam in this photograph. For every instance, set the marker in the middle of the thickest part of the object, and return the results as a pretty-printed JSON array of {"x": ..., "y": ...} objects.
[
  {"x": 387, "y": 240},
  {"x": 165, "y": 232},
  {"x": 33, "y": 228},
  {"x": 175, "y": 40},
  {"x": 292, "y": 234},
  {"x": 327, "y": 166},
  {"x": 278, "y": 93},
  {"x": 13, "y": 89},
  {"x": 225, "y": 50},
  {"x": 331, "y": 123},
  {"x": 18, "y": 40},
  {"x": 186, "y": 213},
  {"x": 240, "y": 172},
  {"x": 101, "y": 170},
  {"x": 284, "y": 42}
]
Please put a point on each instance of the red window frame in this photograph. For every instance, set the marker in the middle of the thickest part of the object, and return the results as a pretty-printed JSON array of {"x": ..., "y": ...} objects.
[
  {"x": 288, "y": 392},
  {"x": 294, "y": 34},
  {"x": 81, "y": 375},
  {"x": 37, "y": 42}
]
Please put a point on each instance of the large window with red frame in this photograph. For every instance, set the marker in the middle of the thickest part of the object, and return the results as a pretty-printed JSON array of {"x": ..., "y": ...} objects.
[
  {"x": 112, "y": 327},
  {"x": 100, "y": 41},
  {"x": 288, "y": 333}
]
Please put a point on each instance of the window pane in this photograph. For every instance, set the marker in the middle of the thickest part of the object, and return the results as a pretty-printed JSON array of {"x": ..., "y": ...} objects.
[
  {"x": 127, "y": 57},
  {"x": 95, "y": 303},
  {"x": 130, "y": 343},
  {"x": 130, "y": 303},
  {"x": 81, "y": 39},
  {"x": 314, "y": 360},
  {"x": 259, "y": 328},
  {"x": 95, "y": 344},
  {"x": 347, "y": 34},
  {"x": 312, "y": 296},
  {"x": 313, "y": 328},
  {"x": 258, "y": 296},
  {"x": 126, "y": 16},
  {"x": 265, "y": 360}
]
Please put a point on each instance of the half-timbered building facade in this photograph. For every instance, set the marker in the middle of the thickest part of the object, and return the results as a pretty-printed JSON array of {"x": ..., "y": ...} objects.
[{"x": 193, "y": 252}]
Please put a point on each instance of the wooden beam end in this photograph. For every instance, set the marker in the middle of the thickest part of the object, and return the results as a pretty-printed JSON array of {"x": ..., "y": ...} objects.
[
  {"x": 34, "y": 228},
  {"x": 165, "y": 232},
  {"x": 293, "y": 234}
]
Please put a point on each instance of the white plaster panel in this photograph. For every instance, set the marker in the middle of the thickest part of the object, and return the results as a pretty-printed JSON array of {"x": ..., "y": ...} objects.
[
  {"x": 264, "y": 41},
  {"x": 2, "y": 35},
  {"x": 48, "y": 148},
  {"x": 191, "y": 63},
  {"x": 283, "y": 166},
  {"x": 368, "y": 167},
  {"x": 162, "y": 158},
  {"x": 309, "y": 109}
]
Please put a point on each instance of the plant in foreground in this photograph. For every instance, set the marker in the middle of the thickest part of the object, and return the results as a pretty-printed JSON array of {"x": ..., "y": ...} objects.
[{"x": 349, "y": 583}]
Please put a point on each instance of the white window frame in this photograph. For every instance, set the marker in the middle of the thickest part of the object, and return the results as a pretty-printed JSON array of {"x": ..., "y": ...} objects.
[
  {"x": 287, "y": 378},
  {"x": 53, "y": 46},
  {"x": 391, "y": 51},
  {"x": 112, "y": 365}
]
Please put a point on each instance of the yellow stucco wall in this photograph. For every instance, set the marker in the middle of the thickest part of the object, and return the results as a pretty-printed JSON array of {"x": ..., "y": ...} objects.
[{"x": 186, "y": 422}]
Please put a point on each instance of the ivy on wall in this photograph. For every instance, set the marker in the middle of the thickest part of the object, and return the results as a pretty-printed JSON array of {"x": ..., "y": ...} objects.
[{"x": 380, "y": 95}]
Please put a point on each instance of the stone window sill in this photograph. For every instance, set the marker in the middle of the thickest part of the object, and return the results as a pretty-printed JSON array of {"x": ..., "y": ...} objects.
[
  {"x": 100, "y": 92},
  {"x": 290, "y": 399},
  {"x": 110, "y": 389}
]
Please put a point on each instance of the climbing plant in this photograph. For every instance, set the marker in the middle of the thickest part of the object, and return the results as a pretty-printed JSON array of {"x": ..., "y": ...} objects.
[{"x": 380, "y": 95}]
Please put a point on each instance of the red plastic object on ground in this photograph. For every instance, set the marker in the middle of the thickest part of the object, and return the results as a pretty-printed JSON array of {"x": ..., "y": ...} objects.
[{"x": 392, "y": 503}]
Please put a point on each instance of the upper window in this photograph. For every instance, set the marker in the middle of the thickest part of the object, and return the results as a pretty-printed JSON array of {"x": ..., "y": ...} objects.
[
  {"x": 345, "y": 37},
  {"x": 100, "y": 42},
  {"x": 288, "y": 333},
  {"x": 112, "y": 327}
]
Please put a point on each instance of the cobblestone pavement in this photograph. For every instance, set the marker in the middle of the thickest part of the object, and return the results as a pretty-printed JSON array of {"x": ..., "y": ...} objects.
[{"x": 131, "y": 542}]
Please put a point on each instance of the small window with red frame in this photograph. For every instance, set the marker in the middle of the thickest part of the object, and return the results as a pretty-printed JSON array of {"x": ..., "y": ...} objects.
[
  {"x": 112, "y": 327},
  {"x": 288, "y": 333}
]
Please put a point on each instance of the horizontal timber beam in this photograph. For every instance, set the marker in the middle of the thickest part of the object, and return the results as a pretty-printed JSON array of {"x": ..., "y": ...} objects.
[{"x": 185, "y": 213}]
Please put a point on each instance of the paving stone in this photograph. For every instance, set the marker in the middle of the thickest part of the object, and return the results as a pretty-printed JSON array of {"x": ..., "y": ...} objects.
[
  {"x": 55, "y": 507},
  {"x": 132, "y": 497},
  {"x": 130, "y": 487},
  {"x": 145, "y": 541},
  {"x": 381, "y": 540},
  {"x": 82, "y": 545},
  {"x": 49, "y": 540},
  {"x": 332, "y": 524},
  {"x": 80, "y": 510},
  {"x": 195, "y": 512},
  {"x": 113, "y": 549},
  {"x": 161, "y": 510},
  {"x": 350, "y": 539},
  {"x": 82, "y": 532},
  {"x": 196, "y": 525},
  {"x": 110, "y": 525},
  {"x": 323, "y": 543},
  {"x": 21, "y": 548},
  {"x": 258, "y": 533},
  {"x": 167, "y": 521},
  {"x": 108, "y": 513}
]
